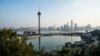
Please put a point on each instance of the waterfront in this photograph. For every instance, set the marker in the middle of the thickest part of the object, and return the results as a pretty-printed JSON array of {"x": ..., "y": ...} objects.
[{"x": 52, "y": 42}]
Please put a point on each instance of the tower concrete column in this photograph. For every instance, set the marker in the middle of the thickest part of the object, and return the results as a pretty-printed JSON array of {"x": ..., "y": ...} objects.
[{"x": 39, "y": 14}]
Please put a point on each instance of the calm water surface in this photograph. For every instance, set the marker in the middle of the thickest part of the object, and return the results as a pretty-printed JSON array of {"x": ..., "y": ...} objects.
[{"x": 52, "y": 42}]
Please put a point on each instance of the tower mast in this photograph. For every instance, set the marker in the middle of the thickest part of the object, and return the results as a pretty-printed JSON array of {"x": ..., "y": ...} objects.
[{"x": 39, "y": 14}]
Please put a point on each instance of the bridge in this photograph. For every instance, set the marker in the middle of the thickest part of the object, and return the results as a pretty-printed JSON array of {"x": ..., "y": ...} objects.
[
  {"x": 54, "y": 34},
  {"x": 68, "y": 34}
]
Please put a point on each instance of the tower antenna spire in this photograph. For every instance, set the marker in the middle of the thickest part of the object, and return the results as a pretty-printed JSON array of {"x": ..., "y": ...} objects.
[
  {"x": 39, "y": 5},
  {"x": 39, "y": 8}
]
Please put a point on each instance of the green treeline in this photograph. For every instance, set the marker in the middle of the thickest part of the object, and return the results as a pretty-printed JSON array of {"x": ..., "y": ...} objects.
[{"x": 12, "y": 45}]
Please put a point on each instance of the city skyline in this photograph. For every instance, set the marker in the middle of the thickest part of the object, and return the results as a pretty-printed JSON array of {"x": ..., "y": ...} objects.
[{"x": 19, "y": 13}]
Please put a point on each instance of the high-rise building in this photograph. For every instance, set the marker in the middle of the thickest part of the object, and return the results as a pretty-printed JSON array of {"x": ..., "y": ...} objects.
[
  {"x": 67, "y": 27},
  {"x": 61, "y": 28},
  {"x": 71, "y": 25},
  {"x": 75, "y": 27}
]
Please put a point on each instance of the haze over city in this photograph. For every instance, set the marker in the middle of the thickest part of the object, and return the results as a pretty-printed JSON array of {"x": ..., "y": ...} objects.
[
  {"x": 49, "y": 27},
  {"x": 23, "y": 13}
]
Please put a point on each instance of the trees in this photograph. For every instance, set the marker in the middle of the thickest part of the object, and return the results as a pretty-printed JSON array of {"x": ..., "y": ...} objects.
[
  {"x": 96, "y": 33},
  {"x": 10, "y": 45}
]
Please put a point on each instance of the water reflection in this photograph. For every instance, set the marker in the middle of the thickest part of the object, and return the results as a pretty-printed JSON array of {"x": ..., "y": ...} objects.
[
  {"x": 39, "y": 42},
  {"x": 51, "y": 42}
]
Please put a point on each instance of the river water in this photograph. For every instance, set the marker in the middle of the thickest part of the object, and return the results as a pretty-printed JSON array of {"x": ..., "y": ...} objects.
[{"x": 52, "y": 42}]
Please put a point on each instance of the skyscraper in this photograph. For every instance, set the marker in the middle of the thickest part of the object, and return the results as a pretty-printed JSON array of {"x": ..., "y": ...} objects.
[
  {"x": 75, "y": 27},
  {"x": 68, "y": 27},
  {"x": 71, "y": 25},
  {"x": 65, "y": 27}
]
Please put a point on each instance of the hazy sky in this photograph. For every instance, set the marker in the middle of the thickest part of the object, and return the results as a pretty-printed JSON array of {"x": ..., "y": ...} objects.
[{"x": 17, "y": 13}]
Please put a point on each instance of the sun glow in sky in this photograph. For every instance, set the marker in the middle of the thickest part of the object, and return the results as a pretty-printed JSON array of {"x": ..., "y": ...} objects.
[{"x": 23, "y": 13}]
